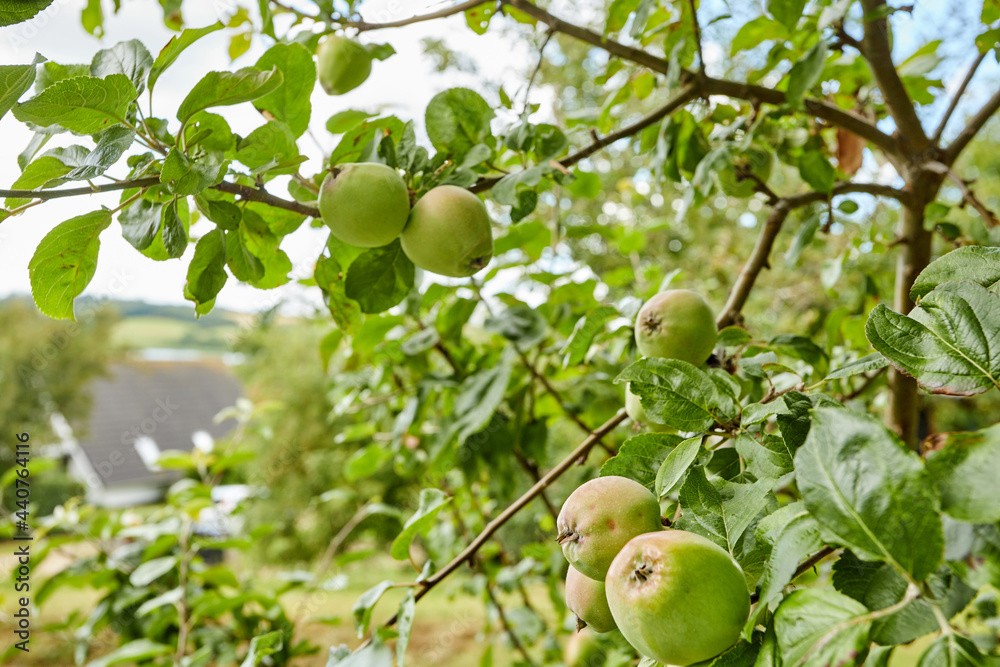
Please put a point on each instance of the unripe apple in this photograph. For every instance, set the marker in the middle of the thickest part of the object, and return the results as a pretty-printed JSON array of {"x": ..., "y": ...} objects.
[
  {"x": 449, "y": 233},
  {"x": 600, "y": 517},
  {"x": 365, "y": 204},
  {"x": 635, "y": 411},
  {"x": 677, "y": 597},
  {"x": 342, "y": 64},
  {"x": 676, "y": 324},
  {"x": 584, "y": 650},
  {"x": 585, "y": 597}
]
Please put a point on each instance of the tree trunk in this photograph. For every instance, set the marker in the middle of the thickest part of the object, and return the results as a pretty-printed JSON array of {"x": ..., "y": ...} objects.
[{"x": 914, "y": 256}]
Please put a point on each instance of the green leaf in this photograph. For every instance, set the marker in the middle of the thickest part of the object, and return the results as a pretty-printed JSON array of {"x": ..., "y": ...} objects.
[
  {"x": 457, "y": 119},
  {"x": 129, "y": 58},
  {"x": 787, "y": 12},
  {"x": 478, "y": 398},
  {"x": 868, "y": 492},
  {"x": 188, "y": 176},
  {"x": 819, "y": 627},
  {"x": 677, "y": 394},
  {"x": 176, "y": 46},
  {"x": 950, "y": 343},
  {"x": 805, "y": 74},
  {"x": 968, "y": 264},
  {"x": 675, "y": 465},
  {"x": 768, "y": 457},
  {"x": 173, "y": 231},
  {"x": 954, "y": 650},
  {"x": 262, "y": 646},
  {"x": 151, "y": 570},
  {"x": 43, "y": 172},
  {"x": 798, "y": 539},
  {"x": 111, "y": 145},
  {"x": 586, "y": 330},
  {"x": 343, "y": 121},
  {"x": 207, "y": 272},
  {"x": 817, "y": 171},
  {"x": 867, "y": 363},
  {"x": 227, "y": 88},
  {"x": 406, "y": 613},
  {"x": 290, "y": 101},
  {"x": 519, "y": 324},
  {"x": 18, "y": 11},
  {"x": 721, "y": 511},
  {"x": 133, "y": 652},
  {"x": 83, "y": 104},
  {"x": 140, "y": 223},
  {"x": 15, "y": 80},
  {"x": 243, "y": 263},
  {"x": 49, "y": 73},
  {"x": 966, "y": 467},
  {"x": 366, "y": 604},
  {"x": 268, "y": 146},
  {"x": 640, "y": 457},
  {"x": 65, "y": 262},
  {"x": 755, "y": 32},
  {"x": 380, "y": 278},
  {"x": 478, "y": 18},
  {"x": 432, "y": 501}
]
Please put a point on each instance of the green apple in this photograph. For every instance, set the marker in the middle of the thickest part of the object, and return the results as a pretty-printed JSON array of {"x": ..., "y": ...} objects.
[
  {"x": 585, "y": 597},
  {"x": 635, "y": 411},
  {"x": 600, "y": 517},
  {"x": 584, "y": 650},
  {"x": 676, "y": 324},
  {"x": 365, "y": 204},
  {"x": 449, "y": 233},
  {"x": 342, "y": 64},
  {"x": 677, "y": 597}
]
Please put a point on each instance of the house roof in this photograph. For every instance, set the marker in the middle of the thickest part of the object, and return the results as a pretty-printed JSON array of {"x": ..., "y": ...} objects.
[{"x": 164, "y": 401}]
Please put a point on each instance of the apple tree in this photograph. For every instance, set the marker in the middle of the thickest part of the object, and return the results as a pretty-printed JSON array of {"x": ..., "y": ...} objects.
[{"x": 800, "y": 451}]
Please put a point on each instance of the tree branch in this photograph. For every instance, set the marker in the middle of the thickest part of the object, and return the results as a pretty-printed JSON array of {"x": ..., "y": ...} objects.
[
  {"x": 363, "y": 26},
  {"x": 955, "y": 99},
  {"x": 972, "y": 128},
  {"x": 709, "y": 86},
  {"x": 683, "y": 96},
  {"x": 968, "y": 196},
  {"x": 493, "y": 526},
  {"x": 772, "y": 226},
  {"x": 244, "y": 191},
  {"x": 878, "y": 53},
  {"x": 848, "y": 120}
]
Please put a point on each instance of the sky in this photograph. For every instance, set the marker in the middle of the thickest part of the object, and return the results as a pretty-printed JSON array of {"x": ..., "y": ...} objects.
[{"x": 401, "y": 85}]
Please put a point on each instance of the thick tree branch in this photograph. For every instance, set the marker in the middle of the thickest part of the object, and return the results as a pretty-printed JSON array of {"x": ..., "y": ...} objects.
[
  {"x": 936, "y": 138},
  {"x": 972, "y": 128},
  {"x": 848, "y": 120},
  {"x": 772, "y": 226},
  {"x": 246, "y": 192},
  {"x": 709, "y": 86},
  {"x": 878, "y": 53},
  {"x": 493, "y": 526},
  {"x": 363, "y": 26}
]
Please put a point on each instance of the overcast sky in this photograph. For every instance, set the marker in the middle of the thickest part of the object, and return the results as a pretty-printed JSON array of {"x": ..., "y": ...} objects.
[{"x": 402, "y": 85}]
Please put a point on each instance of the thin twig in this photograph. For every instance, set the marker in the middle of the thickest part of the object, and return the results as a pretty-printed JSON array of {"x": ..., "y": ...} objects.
[
  {"x": 538, "y": 67},
  {"x": 971, "y": 129},
  {"x": 697, "y": 38},
  {"x": 363, "y": 26},
  {"x": 493, "y": 526},
  {"x": 956, "y": 98}
]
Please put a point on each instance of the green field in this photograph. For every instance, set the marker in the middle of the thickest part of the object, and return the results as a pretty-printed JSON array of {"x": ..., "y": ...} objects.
[{"x": 151, "y": 331}]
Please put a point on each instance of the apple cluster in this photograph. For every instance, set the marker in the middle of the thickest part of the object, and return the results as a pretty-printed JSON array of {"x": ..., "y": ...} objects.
[
  {"x": 675, "y": 596},
  {"x": 447, "y": 231}
]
